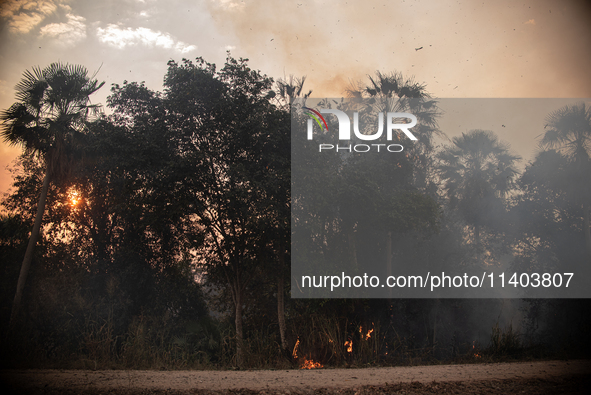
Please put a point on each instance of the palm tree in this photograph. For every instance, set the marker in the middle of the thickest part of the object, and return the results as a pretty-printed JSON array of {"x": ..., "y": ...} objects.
[
  {"x": 394, "y": 93},
  {"x": 478, "y": 171},
  {"x": 49, "y": 117},
  {"x": 391, "y": 92},
  {"x": 287, "y": 90},
  {"x": 569, "y": 132}
]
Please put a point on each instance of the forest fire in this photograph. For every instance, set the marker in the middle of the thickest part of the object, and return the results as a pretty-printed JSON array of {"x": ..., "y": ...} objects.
[
  {"x": 294, "y": 354},
  {"x": 367, "y": 335},
  {"x": 349, "y": 345},
  {"x": 475, "y": 352},
  {"x": 305, "y": 363},
  {"x": 309, "y": 364}
]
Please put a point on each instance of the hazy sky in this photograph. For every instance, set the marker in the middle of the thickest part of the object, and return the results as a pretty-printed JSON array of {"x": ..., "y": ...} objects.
[{"x": 501, "y": 48}]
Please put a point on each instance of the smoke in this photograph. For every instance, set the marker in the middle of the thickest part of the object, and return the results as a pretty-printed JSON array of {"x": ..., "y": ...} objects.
[
  {"x": 448, "y": 45},
  {"x": 326, "y": 41}
]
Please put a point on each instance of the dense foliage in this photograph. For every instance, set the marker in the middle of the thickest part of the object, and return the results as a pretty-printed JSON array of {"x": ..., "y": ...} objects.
[{"x": 167, "y": 241}]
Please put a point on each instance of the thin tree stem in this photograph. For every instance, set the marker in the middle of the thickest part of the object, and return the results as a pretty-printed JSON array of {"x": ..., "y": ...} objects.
[
  {"x": 26, "y": 266},
  {"x": 239, "y": 333},
  {"x": 281, "y": 299},
  {"x": 587, "y": 229}
]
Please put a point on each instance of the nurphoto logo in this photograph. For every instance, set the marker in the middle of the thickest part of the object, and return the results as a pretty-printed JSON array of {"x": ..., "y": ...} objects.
[{"x": 394, "y": 122}]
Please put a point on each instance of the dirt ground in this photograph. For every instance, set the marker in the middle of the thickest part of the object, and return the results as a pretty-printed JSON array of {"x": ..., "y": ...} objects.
[{"x": 539, "y": 377}]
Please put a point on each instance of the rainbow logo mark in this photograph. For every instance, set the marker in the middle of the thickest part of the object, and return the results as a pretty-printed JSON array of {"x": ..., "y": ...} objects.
[{"x": 313, "y": 113}]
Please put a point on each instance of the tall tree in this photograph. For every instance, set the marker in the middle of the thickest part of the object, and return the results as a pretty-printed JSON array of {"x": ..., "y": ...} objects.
[
  {"x": 287, "y": 90},
  {"x": 392, "y": 92},
  {"x": 48, "y": 119},
  {"x": 230, "y": 170},
  {"x": 569, "y": 132},
  {"x": 477, "y": 171},
  {"x": 546, "y": 217}
]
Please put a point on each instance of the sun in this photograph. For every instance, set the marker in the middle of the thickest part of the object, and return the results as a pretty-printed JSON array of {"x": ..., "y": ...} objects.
[{"x": 74, "y": 197}]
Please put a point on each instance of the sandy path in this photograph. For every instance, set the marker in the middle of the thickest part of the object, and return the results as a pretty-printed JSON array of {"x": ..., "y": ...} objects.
[{"x": 289, "y": 379}]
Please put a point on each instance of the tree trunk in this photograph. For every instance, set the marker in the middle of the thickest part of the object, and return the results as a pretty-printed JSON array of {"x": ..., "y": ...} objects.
[
  {"x": 586, "y": 225},
  {"x": 239, "y": 332},
  {"x": 435, "y": 316},
  {"x": 389, "y": 259},
  {"x": 26, "y": 265},
  {"x": 352, "y": 246},
  {"x": 281, "y": 300}
]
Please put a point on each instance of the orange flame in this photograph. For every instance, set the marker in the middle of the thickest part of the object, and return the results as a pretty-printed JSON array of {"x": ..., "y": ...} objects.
[
  {"x": 295, "y": 349},
  {"x": 367, "y": 335},
  {"x": 474, "y": 351},
  {"x": 306, "y": 363},
  {"x": 349, "y": 345},
  {"x": 309, "y": 364}
]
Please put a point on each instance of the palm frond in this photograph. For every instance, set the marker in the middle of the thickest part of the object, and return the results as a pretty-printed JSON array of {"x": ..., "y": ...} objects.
[
  {"x": 53, "y": 107},
  {"x": 568, "y": 129}
]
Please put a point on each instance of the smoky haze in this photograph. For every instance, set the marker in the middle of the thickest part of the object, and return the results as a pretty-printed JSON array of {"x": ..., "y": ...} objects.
[
  {"x": 459, "y": 49},
  {"x": 456, "y": 50},
  {"x": 361, "y": 176}
]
